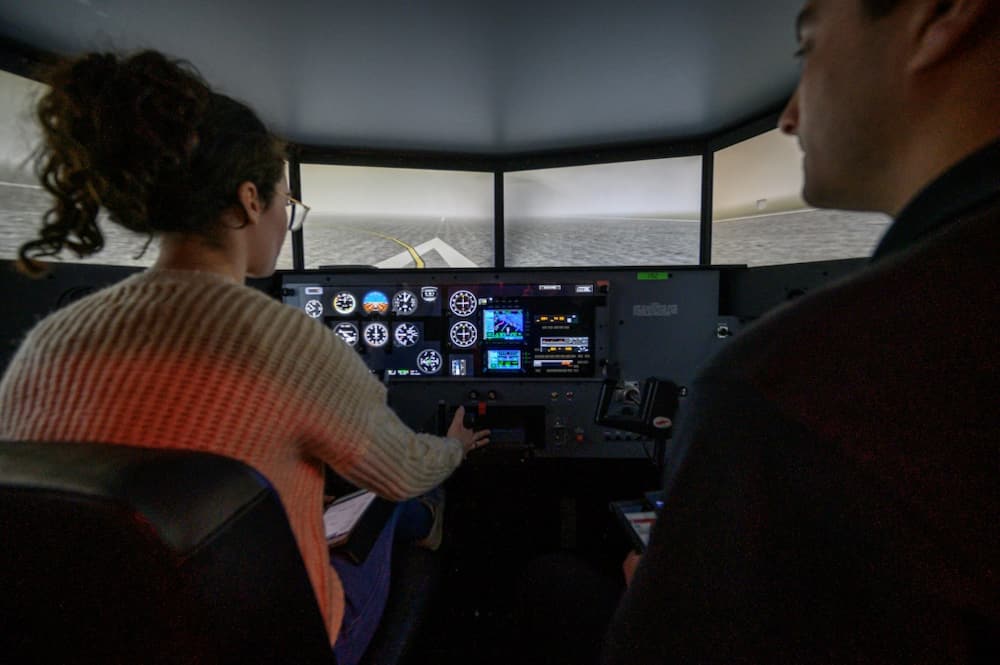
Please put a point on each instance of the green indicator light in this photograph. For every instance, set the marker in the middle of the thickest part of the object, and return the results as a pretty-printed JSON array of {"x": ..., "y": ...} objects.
[{"x": 652, "y": 276}]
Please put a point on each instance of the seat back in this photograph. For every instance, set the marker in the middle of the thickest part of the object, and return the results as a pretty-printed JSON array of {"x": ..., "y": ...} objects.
[{"x": 115, "y": 554}]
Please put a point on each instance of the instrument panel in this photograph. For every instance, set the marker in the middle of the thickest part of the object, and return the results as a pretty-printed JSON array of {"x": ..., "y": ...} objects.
[
  {"x": 519, "y": 330},
  {"x": 526, "y": 350}
]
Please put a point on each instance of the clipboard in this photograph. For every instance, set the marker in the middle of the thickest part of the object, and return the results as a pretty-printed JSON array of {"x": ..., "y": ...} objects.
[
  {"x": 637, "y": 519},
  {"x": 353, "y": 523}
]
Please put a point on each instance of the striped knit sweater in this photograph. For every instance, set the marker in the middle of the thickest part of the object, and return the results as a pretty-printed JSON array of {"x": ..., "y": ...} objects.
[{"x": 183, "y": 359}]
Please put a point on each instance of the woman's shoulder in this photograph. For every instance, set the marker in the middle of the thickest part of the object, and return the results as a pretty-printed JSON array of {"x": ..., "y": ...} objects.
[
  {"x": 232, "y": 305},
  {"x": 170, "y": 301},
  {"x": 203, "y": 289}
]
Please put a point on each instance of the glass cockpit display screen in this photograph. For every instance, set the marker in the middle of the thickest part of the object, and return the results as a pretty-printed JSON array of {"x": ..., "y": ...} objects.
[
  {"x": 503, "y": 325},
  {"x": 472, "y": 330}
]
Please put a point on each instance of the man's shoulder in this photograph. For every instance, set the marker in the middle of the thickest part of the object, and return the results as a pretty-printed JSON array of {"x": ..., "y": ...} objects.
[{"x": 939, "y": 289}]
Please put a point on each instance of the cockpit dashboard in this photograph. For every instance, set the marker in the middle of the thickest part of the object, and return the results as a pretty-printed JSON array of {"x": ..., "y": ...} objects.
[
  {"x": 526, "y": 351},
  {"x": 532, "y": 329}
]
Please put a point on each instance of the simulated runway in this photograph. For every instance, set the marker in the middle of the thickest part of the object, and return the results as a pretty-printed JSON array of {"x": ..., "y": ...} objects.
[{"x": 809, "y": 235}]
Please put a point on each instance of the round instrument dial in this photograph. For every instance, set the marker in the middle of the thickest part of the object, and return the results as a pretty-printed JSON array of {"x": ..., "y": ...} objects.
[
  {"x": 314, "y": 308},
  {"x": 404, "y": 303},
  {"x": 463, "y": 334},
  {"x": 462, "y": 303},
  {"x": 347, "y": 332},
  {"x": 406, "y": 334},
  {"x": 344, "y": 302},
  {"x": 376, "y": 334},
  {"x": 375, "y": 302},
  {"x": 429, "y": 361}
]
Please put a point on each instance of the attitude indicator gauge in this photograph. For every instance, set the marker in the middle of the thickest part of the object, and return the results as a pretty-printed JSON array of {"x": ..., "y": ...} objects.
[{"x": 375, "y": 302}]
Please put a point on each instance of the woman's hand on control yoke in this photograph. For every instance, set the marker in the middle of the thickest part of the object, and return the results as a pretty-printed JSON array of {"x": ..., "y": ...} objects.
[{"x": 469, "y": 439}]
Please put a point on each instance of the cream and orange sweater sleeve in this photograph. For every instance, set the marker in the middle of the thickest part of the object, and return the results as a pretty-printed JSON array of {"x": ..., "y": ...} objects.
[{"x": 347, "y": 423}]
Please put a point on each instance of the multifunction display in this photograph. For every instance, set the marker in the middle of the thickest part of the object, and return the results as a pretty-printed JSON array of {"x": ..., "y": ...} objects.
[{"x": 516, "y": 330}]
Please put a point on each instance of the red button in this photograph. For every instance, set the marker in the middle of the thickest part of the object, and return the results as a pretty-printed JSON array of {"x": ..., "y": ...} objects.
[{"x": 482, "y": 408}]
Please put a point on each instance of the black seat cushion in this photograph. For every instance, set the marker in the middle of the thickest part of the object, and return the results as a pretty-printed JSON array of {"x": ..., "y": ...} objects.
[{"x": 115, "y": 554}]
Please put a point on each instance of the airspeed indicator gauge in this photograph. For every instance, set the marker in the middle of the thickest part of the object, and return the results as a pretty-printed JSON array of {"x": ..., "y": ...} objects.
[{"x": 344, "y": 302}]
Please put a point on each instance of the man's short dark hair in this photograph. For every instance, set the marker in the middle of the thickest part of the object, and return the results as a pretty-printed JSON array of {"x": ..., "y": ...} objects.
[{"x": 879, "y": 8}]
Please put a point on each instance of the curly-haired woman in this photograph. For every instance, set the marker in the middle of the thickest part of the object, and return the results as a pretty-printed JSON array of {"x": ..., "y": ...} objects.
[{"x": 183, "y": 355}]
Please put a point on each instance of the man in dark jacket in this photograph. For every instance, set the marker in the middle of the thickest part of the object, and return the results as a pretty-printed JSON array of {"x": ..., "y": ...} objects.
[{"x": 834, "y": 490}]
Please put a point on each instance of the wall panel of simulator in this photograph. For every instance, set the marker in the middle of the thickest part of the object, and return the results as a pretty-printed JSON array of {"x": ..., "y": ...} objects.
[
  {"x": 27, "y": 300},
  {"x": 525, "y": 351}
]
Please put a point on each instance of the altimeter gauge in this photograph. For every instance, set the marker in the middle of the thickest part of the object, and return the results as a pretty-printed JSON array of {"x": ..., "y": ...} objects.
[{"x": 404, "y": 303}]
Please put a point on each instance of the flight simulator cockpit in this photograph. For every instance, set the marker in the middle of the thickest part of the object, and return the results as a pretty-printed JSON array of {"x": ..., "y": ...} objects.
[{"x": 528, "y": 353}]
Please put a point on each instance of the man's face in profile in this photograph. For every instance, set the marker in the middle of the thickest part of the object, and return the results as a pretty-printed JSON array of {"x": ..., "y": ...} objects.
[{"x": 842, "y": 110}]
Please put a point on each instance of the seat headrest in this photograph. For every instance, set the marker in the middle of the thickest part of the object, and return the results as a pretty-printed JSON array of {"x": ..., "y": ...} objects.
[
  {"x": 118, "y": 554},
  {"x": 183, "y": 514}
]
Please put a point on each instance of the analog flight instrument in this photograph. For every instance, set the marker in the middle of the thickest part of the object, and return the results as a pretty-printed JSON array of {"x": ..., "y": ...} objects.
[
  {"x": 347, "y": 332},
  {"x": 464, "y": 334},
  {"x": 404, "y": 303},
  {"x": 429, "y": 361},
  {"x": 406, "y": 334},
  {"x": 375, "y": 302},
  {"x": 344, "y": 302},
  {"x": 376, "y": 334},
  {"x": 462, "y": 303},
  {"x": 314, "y": 308}
]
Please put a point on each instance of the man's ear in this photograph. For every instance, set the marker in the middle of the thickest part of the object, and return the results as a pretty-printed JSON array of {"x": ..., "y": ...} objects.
[
  {"x": 940, "y": 27},
  {"x": 249, "y": 199}
]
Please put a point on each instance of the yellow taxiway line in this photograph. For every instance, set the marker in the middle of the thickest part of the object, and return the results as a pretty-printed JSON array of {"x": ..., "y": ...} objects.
[{"x": 417, "y": 261}]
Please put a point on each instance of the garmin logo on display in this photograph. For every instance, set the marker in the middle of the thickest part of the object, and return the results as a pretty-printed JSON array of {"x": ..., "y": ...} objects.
[{"x": 655, "y": 309}]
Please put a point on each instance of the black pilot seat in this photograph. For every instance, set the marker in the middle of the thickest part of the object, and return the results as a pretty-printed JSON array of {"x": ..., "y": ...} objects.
[{"x": 116, "y": 554}]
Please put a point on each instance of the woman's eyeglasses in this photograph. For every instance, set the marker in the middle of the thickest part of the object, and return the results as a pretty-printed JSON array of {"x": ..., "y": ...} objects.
[{"x": 297, "y": 215}]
